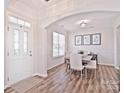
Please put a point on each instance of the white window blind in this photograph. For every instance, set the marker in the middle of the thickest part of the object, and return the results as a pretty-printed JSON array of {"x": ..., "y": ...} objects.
[{"x": 58, "y": 44}]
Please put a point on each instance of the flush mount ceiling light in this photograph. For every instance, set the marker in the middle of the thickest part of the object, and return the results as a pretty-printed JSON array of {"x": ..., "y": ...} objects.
[
  {"x": 47, "y": 0},
  {"x": 83, "y": 22}
]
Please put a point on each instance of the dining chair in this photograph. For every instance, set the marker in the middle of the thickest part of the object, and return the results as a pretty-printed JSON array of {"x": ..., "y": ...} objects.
[
  {"x": 76, "y": 63},
  {"x": 91, "y": 65},
  {"x": 87, "y": 57},
  {"x": 67, "y": 60}
]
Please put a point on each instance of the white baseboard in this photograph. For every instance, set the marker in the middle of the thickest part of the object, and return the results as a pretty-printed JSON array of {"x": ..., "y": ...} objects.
[
  {"x": 55, "y": 65},
  {"x": 42, "y": 75},
  {"x": 106, "y": 64},
  {"x": 6, "y": 86},
  {"x": 117, "y": 67}
]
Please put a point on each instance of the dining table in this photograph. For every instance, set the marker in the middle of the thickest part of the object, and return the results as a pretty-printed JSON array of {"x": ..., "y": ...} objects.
[{"x": 86, "y": 59}]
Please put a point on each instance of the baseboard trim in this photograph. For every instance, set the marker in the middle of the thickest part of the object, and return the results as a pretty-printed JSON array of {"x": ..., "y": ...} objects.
[
  {"x": 55, "y": 66},
  {"x": 117, "y": 68},
  {"x": 6, "y": 86},
  {"x": 106, "y": 64},
  {"x": 42, "y": 75}
]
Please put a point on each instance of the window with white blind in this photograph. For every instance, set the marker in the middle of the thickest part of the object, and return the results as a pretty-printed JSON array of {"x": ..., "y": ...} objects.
[{"x": 58, "y": 44}]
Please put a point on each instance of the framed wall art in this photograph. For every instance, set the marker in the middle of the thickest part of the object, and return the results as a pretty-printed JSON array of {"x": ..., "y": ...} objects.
[
  {"x": 96, "y": 39},
  {"x": 86, "y": 39},
  {"x": 78, "y": 40}
]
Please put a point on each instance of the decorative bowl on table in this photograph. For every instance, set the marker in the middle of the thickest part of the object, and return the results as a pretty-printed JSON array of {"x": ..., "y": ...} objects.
[{"x": 81, "y": 52}]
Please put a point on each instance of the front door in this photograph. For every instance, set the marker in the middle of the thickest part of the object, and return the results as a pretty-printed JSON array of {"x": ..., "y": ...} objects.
[{"x": 18, "y": 50}]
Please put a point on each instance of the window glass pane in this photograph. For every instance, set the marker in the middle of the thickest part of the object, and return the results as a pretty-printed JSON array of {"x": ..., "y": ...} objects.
[
  {"x": 55, "y": 37},
  {"x": 55, "y": 44},
  {"x": 55, "y": 50},
  {"x": 12, "y": 19},
  {"x": 58, "y": 44},
  {"x": 27, "y": 24},
  {"x": 16, "y": 42},
  {"x": 25, "y": 42},
  {"x": 20, "y": 22},
  {"x": 61, "y": 44}
]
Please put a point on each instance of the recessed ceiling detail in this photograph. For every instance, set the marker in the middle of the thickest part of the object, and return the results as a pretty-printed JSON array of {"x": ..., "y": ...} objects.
[{"x": 87, "y": 20}]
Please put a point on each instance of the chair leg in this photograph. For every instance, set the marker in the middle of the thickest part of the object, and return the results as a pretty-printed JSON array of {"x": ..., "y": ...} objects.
[
  {"x": 81, "y": 74},
  {"x": 70, "y": 73},
  {"x": 66, "y": 67},
  {"x": 85, "y": 73},
  {"x": 95, "y": 73},
  {"x": 69, "y": 66}
]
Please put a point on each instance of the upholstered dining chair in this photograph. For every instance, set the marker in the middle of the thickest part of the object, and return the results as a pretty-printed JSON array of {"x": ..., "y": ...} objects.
[
  {"x": 76, "y": 62},
  {"x": 67, "y": 60},
  {"x": 91, "y": 65}
]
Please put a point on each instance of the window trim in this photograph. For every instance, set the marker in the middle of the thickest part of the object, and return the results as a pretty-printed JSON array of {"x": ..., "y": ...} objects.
[{"x": 21, "y": 19}]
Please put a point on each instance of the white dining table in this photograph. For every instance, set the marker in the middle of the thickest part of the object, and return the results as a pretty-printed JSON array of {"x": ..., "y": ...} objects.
[{"x": 86, "y": 59}]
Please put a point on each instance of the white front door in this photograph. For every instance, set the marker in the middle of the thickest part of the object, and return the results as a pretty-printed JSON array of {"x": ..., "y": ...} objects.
[{"x": 18, "y": 51}]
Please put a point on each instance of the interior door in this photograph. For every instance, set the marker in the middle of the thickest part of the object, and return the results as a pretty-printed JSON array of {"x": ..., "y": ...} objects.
[{"x": 19, "y": 51}]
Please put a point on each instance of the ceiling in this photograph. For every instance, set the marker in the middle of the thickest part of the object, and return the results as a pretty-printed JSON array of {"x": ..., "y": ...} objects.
[
  {"x": 40, "y": 4},
  {"x": 97, "y": 20},
  {"x": 35, "y": 4}
]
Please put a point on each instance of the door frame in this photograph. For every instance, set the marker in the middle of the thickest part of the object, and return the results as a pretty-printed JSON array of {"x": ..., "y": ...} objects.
[
  {"x": 116, "y": 32},
  {"x": 6, "y": 58}
]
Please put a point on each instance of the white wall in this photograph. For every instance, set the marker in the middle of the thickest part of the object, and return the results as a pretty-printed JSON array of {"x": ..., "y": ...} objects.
[
  {"x": 105, "y": 51},
  {"x": 41, "y": 64},
  {"x": 52, "y": 62},
  {"x": 116, "y": 30}
]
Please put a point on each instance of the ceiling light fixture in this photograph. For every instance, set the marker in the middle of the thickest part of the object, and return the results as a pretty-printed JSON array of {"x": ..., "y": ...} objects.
[
  {"x": 82, "y": 23},
  {"x": 47, "y": 0}
]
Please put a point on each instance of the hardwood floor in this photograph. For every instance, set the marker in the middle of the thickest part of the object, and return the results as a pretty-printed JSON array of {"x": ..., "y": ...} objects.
[{"x": 60, "y": 81}]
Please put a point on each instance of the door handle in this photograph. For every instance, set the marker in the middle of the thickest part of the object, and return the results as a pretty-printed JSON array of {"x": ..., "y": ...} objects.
[
  {"x": 30, "y": 53},
  {"x": 7, "y": 53}
]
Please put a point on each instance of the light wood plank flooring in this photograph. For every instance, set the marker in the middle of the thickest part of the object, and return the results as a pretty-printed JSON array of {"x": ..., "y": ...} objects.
[{"x": 60, "y": 81}]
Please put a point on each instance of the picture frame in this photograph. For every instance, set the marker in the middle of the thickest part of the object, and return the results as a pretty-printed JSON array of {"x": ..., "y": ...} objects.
[
  {"x": 78, "y": 40},
  {"x": 96, "y": 39},
  {"x": 87, "y": 39}
]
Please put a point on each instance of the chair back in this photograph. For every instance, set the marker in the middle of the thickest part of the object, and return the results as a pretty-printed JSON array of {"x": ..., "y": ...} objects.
[
  {"x": 76, "y": 61},
  {"x": 67, "y": 54},
  {"x": 87, "y": 58},
  {"x": 92, "y": 64}
]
